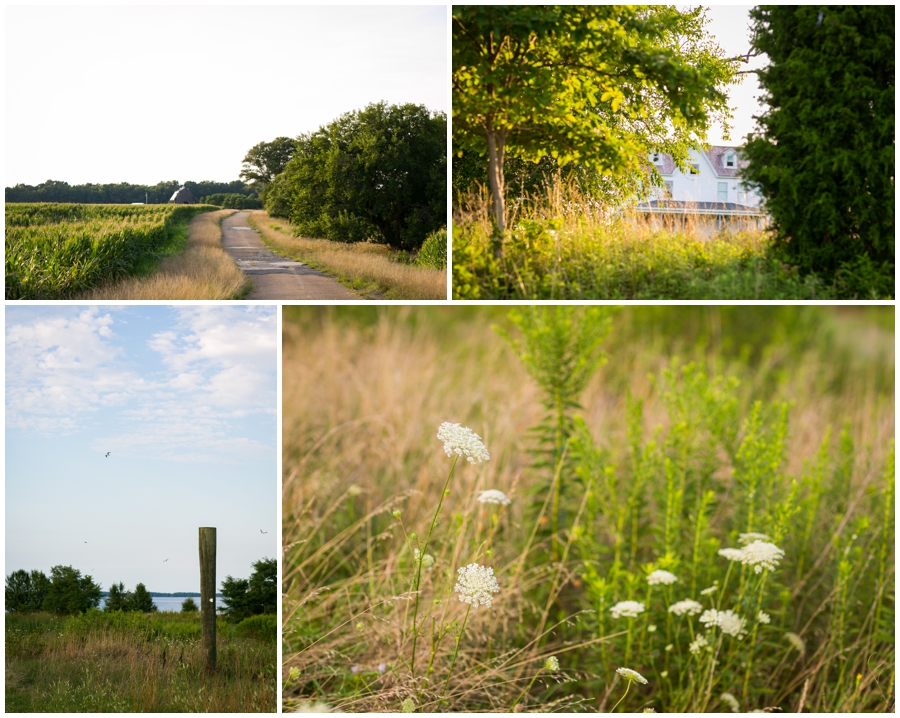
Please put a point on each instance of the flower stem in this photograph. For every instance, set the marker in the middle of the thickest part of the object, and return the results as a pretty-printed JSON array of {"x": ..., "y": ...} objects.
[
  {"x": 456, "y": 650},
  {"x": 527, "y": 688},
  {"x": 627, "y": 686},
  {"x": 412, "y": 660}
]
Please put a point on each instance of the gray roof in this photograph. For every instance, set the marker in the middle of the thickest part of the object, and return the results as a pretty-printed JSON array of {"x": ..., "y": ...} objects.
[{"x": 183, "y": 195}]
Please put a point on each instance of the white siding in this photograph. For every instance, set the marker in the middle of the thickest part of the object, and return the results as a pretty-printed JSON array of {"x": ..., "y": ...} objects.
[{"x": 704, "y": 187}]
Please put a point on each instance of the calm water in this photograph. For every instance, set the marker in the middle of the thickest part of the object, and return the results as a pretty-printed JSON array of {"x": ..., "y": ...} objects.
[{"x": 170, "y": 603}]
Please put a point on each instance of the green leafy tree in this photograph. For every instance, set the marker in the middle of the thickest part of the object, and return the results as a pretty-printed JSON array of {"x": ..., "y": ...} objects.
[
  {"x": 824, "y": 156},
  {"x": 267, "y": 160},
  {"x": 188, "y": 605},
  {"x": 118, "y": 598},
  {"x": 377, "y": 173},
  {"x": 70, "y": 592},
  {"x": 141, "y": 600},
  {"x": 600, "y": 85},
  {"x": 25, "y": 592},
  {"x": 249, "y": 597}
]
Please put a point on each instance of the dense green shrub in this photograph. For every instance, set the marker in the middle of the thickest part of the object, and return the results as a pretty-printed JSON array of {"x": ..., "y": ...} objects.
[
  {"x": 434, "y": 250},
  {"x": 263, "y": 627}
]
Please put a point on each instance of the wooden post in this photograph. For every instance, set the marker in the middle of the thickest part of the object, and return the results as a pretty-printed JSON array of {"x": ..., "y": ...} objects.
[{"x": 208, "y": 595}]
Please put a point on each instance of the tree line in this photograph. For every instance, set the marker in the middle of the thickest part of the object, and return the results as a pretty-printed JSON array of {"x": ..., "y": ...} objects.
[
  {"x": 66, "y": 592},
  {"x": 377, "y": 174},
  {"x": 123, "y": 192}
]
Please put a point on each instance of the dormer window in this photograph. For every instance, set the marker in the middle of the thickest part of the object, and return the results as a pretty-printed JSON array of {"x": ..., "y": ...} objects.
[
  {"x": 656, "y": 158},
  {"x": 730, "y": 159},
  {"x": 695, "y": 168}
]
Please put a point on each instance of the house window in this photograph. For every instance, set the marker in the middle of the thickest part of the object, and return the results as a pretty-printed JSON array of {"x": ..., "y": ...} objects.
[
  {"x": 655, "y": 157},
  {"x": 729, "y": 159},
  {"x": 723, "y": 191},
  {"x": 669, "y": 190},
  {"x": 695, "y": 169}
]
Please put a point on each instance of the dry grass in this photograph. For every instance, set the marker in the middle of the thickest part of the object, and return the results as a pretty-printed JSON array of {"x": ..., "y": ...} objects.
[
  {"x": 202, "y": 271},
  {"x": 364, "y": 392},
  {"x": 361, "y": 266}
]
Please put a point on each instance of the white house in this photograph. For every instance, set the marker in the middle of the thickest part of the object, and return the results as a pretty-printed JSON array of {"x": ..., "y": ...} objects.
[{"x": 712, "y": 186}]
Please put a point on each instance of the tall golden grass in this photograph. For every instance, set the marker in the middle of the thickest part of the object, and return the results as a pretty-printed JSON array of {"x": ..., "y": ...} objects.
[
  {"x": 364, "y": 391},
  {"x": 203, "y": 271},
  {"x": 362, "y": 266}
]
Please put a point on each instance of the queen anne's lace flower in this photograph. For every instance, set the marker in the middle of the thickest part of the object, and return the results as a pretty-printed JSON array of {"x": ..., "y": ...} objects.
[
  {"x": 762, "y": 555},
  {"x": 709, "y": 591},
  {"x": 475, "y": 585},
  {"x": 629, "y": 609},
  {"x": 732, "y": 554},
  {"x": 462, "y": 441},
  {"x": 427, "y": 559},
  {"x": 492, "y": 496},
  {"x": 750, "y": 537},
  {"x": 728, "y": 621},
  {"x": 664, "y": 577},
  {"x": 796, "y": 642},
  {"x": 551, "y": 664},
  {"x": 631, "y": 676},
  {"x": 731, "y": 702},
  {"x": 688, "y": 606},
  {"x": 698, "y": 644},
  {"x": 763, "y": 617}
]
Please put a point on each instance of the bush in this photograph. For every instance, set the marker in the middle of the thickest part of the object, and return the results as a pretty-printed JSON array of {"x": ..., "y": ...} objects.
[
  {"x": 263, "y": 627},
  {"x": 189, "y": 606},
  {"x": 434, "y": 250}
]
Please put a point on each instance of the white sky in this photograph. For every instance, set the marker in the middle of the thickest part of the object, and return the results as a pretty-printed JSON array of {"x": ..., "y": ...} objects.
[
  {"x": 730, "y": 25},
  {"x": 147, "y": 94},
  {"x": 183, "y": 398}
]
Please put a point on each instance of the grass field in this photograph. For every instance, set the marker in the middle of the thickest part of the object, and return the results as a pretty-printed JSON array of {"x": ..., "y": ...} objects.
[
  {"x": 128, "y": 662},
  {"x": 57, "y": 251},
  {"x": 640, "y": 451},
  {"x": 366, "y": 268},
  {"x": 202, "y": 270}
]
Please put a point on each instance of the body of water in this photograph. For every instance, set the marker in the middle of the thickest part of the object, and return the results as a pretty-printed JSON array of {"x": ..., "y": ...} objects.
[{"x": 170, "y": 603}]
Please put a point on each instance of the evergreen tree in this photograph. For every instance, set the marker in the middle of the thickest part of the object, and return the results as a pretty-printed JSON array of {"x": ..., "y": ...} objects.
[
  {"x": 249, "y": 597},
  {"x": 25, "y": 592},
  {"x": 70, "y": 592},
  {"x": 189, "y": 606},
  {"x": 117, "y": 600},
  {"x": 824, "y": 159},
  {"x": 141, "y": 600}
]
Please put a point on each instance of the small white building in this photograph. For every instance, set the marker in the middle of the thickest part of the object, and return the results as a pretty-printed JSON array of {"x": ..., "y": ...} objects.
[{"x": 712, "y": 186}]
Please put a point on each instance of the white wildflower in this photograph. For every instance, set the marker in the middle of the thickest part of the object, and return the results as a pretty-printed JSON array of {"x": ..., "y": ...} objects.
[
  {"x": 763, "y": 617},
  {"x": 551, "y": 664},
  {"x": 664, "y": 577},
  {"x": 761, "y": 555},
  {"x": 731, "y": 702},
  {"x": 316, "y": 707},
  {"x": 631, "y": 676},
  {"x": 493, "y": 496},
  {"x": 728, "y": 621},
  {"x": 475, "y": 585},
  {"x": 709, "y": 591},
  {"x": 629, "y": 609},
  {"x": 796, "y": 642},
  {"x": 462, "y": 441},
  {"x": 732, "y": 554},
  {"x": 651, "y": 629},
  {"x": 698, "y": 644},
  {"x": 688, "y": 606},
  {"x": 750, "y": 537}
]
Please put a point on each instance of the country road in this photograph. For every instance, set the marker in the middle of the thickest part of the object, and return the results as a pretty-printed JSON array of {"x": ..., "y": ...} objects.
[{"x": 275, "y": 277}]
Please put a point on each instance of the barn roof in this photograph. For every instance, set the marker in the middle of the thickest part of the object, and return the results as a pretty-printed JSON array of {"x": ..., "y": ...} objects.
[{"x": 182, "y": 195}]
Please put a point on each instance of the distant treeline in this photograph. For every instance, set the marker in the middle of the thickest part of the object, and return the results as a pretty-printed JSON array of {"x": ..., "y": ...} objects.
[{"x": 123, "y": 192}]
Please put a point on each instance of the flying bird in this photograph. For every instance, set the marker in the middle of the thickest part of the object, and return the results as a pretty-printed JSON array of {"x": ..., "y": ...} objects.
[
  {"x": 108, "y": 453},
  {"x": 263, "y": 532},
  {"x": 165, "y": 561}
]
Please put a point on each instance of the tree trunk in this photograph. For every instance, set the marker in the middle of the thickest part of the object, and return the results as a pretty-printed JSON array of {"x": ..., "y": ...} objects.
[{"x": 495, "y": 143}]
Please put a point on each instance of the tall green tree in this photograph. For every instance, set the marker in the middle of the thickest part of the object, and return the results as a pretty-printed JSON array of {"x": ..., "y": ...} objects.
[
  {"x": 601, "y": 85},
  {"x": 249, "y": 597},
  {"x": 25, "y": 592},
  {"x": 70, "y": 592},
  {"x": 188, "y": 605},
  {"x": 141, "y": 600},
  {"x": 117, "y": 599},
  {"x": 824, "y": 156},
  {"x": 377, "y": 173},
  {"x": 266, "y": 160}
]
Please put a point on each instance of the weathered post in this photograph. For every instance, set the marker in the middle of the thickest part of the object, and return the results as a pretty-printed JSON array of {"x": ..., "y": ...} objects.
[{"x": 208, "y": 595}]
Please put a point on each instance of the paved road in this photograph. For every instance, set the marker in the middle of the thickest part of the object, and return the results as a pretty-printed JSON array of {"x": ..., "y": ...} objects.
[{"x": 275, "y": 277}]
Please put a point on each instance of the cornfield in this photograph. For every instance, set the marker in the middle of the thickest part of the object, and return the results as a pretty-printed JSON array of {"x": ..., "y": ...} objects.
[{"x": 54, "y": 251}]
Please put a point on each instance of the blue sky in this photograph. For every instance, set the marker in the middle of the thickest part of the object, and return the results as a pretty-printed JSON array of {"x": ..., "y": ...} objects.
[
  {"x": 143, "y": 94},
  {"x": 183, "y": 398}
]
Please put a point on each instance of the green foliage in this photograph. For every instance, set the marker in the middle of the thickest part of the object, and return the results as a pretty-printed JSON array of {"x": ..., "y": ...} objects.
[
  {"x": 263, "y": 627},
  {"x": 249, "y": 597},
  {"x": 141, "y": 600},
  {"x": 433, "y": 252},
  {"x": 824, "y": 160},
  {"x": 189, "y": 606},
  {"x": 25, "y": 592},
  {"x": 553, "y": 259},
  {"x": 599, "y": 85},
  {"x": 118, "y": 599},
  {"x": 266, "y": 160},
  {"x": 233, "y": 201},
  {"x": 56, "y": 251},
  {"x": 377, "y": 173},
  {"x": 70, "y": 592},
  {"x": 122, "y": 193}
]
